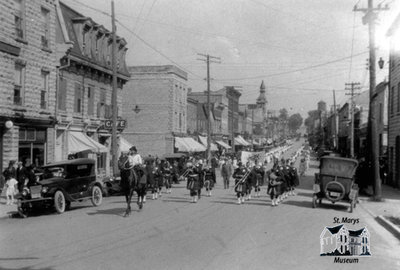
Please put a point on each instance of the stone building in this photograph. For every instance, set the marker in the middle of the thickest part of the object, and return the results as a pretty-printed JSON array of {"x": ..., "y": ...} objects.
[
  {"x": 394, "y": 105},
  {"x": 155, "y": 106},
  {"x": 27, "y": 80},
  {"x": 83, "y": 105}
]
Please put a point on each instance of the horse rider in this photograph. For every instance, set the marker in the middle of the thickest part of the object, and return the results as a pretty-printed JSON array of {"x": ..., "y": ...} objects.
[
  {"x": 137, "y": 162},
  {"x": 240, "y": 175}
]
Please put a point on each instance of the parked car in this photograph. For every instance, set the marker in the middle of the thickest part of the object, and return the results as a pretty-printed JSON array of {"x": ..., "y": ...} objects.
[
  {"x": 60, "y": 184},
  {"x": 111, "y": 186}
]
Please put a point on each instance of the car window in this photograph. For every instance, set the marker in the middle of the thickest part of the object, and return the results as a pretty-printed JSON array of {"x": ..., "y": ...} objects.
[
  {"x": 81, "y": 170},
  {"x": 53, "y": 172}
]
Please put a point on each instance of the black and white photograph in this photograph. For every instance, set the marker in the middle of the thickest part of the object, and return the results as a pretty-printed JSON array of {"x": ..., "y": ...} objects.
[{"x": 199, "y": 134}]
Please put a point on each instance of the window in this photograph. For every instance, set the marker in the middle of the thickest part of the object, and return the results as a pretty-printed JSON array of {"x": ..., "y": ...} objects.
[
  {"x": 18, "y": 84},
  {"x": 90, "y": 97},
  {"x": 392, "y": 100},
  {"x": 44, "y": 89},
  {"x": 46, "y": 27},
  {"x": 62, "y": 94},
  {"x": 101, "y": 106},
  {"x": 380, "y": 113},
  {"x": 19, "y": 19},
  {"x": 398, "y": 97},
  {"x": 78, "y": 98}
]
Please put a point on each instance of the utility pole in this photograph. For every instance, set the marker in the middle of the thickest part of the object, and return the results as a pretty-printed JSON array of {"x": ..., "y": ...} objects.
[
  {"x": 335, "y": 131},
  {"x": 352, "y": 87},
  {"x": 206, "y": 59},
  {"x": 114, "y": 144},
  {"x": 370, "y": 18}
]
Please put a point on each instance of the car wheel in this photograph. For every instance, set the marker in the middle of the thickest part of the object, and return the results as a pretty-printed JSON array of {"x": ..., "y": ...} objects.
[
  {"x": 59, "y": 202},
  {"x": 97, "y": 196}
]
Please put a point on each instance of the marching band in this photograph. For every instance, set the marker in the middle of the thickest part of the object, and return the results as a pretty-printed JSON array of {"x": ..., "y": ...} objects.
[{"x": 280, "y": 181}]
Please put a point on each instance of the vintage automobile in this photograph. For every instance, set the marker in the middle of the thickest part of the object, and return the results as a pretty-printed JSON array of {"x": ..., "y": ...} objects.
[
  {"x": 335, "y": 181},
  {"x": 61, "y": 183}
]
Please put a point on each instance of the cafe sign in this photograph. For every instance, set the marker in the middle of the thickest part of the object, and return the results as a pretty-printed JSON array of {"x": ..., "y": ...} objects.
[{"x": 121, "y": 124}]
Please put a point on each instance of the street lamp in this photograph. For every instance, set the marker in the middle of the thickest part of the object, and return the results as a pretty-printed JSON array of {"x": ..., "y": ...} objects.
[
  {"x": 381, "y": 62},
  {"x": 136, "y": 109}
]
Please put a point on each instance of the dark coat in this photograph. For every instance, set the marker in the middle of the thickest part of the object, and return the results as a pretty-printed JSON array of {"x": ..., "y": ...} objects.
[{"x": 10, "y": 173}]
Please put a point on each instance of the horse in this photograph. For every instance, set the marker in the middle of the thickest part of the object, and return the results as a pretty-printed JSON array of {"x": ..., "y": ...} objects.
[{"x": 131, "y": 180}]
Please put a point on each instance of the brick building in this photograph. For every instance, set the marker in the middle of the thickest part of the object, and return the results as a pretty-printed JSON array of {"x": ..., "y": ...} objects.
[
  {"x": 191, "y": 118},
  {"x": 394, "y": 105},
  {"x": 155, "y": 106},
  {"x": 27, "y": 80},
  {"x": 85, "y": 87}
]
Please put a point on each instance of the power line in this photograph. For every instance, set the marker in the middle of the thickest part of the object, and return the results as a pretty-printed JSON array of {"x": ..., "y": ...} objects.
[
  {"x": 292, "y": 71},
  {"x": 156, "y": 50}
]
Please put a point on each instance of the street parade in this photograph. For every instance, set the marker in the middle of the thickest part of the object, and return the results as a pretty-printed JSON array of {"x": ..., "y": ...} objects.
[{"x": 223, "y": 134}]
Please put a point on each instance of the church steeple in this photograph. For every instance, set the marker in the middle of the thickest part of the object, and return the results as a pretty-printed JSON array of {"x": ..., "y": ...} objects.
[{"x": 262, "y": 99}]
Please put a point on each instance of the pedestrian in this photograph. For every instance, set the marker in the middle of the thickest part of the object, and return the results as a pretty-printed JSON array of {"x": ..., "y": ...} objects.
[
  {"x": 11, "y": 185},
  {"x": 10, "y": 171},
  {"x": 21, "y": 175},
  {"x": 225, "y": 171},
  {"x": 150, "y": 169}
]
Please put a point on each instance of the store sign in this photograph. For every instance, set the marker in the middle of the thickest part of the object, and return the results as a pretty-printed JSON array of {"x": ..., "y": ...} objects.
[{"x": 121, "y": 124}]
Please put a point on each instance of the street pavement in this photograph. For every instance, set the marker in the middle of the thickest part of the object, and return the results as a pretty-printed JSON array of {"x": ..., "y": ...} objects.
[{"x": 173, "y": 233}]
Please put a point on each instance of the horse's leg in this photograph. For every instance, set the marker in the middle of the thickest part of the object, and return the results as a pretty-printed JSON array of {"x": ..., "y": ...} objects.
[{"x": 128, "y": 196}]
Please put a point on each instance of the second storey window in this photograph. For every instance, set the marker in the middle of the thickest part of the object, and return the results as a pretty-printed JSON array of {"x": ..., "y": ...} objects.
[
  {"x": 46, "y": 28},
  {"x": 90, "y": 99},
  {"x": 18, "y": 84},
  {"x": 19, "y": 19},
  {"x": 62, "y": 94},
  {"x": 78, "y": 98},
  {"x": 44, "y": 89}
]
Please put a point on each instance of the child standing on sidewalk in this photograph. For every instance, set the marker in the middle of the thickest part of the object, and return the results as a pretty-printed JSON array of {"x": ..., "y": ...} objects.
[{"x": 11, "y": 190}]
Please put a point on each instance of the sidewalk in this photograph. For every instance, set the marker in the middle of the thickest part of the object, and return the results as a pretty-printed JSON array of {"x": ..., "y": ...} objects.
[{"x": 387, "y": 211}]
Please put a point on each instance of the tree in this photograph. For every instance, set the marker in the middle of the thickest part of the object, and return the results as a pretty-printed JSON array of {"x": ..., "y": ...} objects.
[
  {"x": 283, "y": 114},
  {"x": 295, "y": 122}
]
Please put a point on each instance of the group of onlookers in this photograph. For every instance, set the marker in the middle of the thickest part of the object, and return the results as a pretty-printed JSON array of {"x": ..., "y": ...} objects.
[{"x": 15, "y": 177}]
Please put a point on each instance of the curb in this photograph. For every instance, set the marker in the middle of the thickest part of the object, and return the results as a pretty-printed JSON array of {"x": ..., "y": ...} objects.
[{"x": 388, "y": 225}]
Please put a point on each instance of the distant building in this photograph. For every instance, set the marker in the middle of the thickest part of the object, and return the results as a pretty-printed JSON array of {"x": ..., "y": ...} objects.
[{"x": 155, "y": 105}]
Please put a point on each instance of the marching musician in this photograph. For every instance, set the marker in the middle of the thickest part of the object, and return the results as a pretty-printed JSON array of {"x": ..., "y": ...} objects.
[
  {"x": 274, "y": 182},
  {"x": 294, "y": 178},
  {"x": 209, "y": 179},
  {"x": 259, "y": 179},
  {"x": 240, "y": 175},
  {"x": 167, "y": 175},
  {"x": 193, "y": 183}
]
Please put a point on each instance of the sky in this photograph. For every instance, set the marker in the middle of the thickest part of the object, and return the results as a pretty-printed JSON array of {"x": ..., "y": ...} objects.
[{"x": 301, "y": 49}]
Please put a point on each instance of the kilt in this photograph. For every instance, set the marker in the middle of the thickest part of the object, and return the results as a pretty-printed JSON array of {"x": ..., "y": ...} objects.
[{"x": 193, "y": 183}]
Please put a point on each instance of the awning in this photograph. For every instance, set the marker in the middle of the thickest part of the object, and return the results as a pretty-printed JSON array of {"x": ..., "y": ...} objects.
[
  {"x": 226, "y": 146},
  {"x": 124, "y": 145},
  {"x": 240, "y": 141},
  {"x": 79, "y": 142},
  {"x": 187, "y": 144},
  {"x": 203, "y": 140}
]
